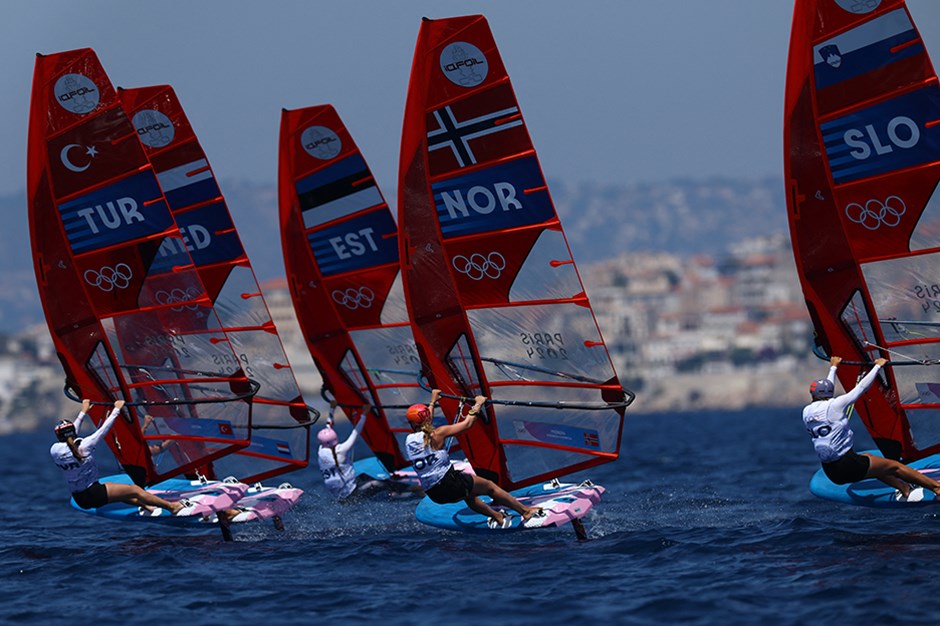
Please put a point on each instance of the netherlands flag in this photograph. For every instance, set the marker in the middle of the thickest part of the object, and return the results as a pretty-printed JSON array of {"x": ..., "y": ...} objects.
[{"x": 283, "y": 448}]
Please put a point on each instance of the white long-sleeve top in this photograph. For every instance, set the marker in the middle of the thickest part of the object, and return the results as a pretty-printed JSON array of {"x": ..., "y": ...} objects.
[
  {"x": 827, "y": 421},
  {"x": 81, "y": 475},
  {"x": 340, "y": 479}
]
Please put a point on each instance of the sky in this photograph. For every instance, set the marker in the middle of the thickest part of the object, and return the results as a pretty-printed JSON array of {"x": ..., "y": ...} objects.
[{"x": 613, "y": 91}]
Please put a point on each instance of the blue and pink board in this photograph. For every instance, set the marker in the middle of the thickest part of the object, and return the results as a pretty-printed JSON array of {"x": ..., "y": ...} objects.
[
  {"x": 208, "y": 497},
  {"x": 260, "y": 503},
  {"x": 562, "y": 503},
  {"x": 872, "y": 492}
]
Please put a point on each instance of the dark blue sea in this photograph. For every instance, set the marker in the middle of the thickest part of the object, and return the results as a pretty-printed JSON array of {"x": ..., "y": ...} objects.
[{"x": 707, "y": 519}]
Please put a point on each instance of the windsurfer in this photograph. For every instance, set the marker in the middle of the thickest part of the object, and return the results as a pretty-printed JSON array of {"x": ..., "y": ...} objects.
[
  {"x": 74, "y": 455},
  {"x": 827, "y": 420},
  {"x": 335, "y": 459},
  {"x": 155, "y": 448},
  {"x": 441, "y": 481}
]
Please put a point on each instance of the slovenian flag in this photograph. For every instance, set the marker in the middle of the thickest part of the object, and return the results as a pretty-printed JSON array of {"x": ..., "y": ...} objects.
[{"x": 881, "y": 54}]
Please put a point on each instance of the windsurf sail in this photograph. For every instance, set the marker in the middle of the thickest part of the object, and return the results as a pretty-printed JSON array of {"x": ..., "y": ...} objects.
[
  {"x": 862, "y": 162},
  {"x": 280, "y": 419},
  {"x": 124, "y": 323},
  {"x": 496, "y": 302},
  {"x": 341, "y": 255}
]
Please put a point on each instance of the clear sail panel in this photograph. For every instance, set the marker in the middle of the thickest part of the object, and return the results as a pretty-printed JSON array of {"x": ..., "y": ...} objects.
[
  {"x": 905, "y": 293},
  {"x": 557, "y": 342}
]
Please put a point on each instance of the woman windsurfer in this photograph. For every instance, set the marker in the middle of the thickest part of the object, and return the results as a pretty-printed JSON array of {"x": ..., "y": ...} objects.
[
  {"x": 441, "y": 481},
  {"x": 74, "y": 455},
  {"x": 339, "y": 475},
  {"x": 827, "y": 420}
]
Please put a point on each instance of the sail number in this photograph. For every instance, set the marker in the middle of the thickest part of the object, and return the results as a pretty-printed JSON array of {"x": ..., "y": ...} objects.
[
  {"x": 165, "y": 341},
  {"x": 930, "y": 294},
  {"x": 901, "y": 132},
  {"x": 403, "y": 354},
  {"x": 241, "y": 360},
  {"x": 539, "y": 345}
]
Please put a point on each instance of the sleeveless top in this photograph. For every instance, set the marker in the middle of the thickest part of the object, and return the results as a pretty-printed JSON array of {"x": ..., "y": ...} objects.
[{"x": 429, "y": 464}]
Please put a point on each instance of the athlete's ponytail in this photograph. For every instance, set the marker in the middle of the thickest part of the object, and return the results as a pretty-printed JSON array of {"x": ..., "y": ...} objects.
[
  {"x": 427, "y": 428},
  {"x": 74, "y": 448}
]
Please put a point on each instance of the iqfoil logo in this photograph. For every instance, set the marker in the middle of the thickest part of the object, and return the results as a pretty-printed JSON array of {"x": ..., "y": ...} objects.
[
  {"x": 153, "y": 128},
  {"x": 859, "y": 6},
  {"x": 321, "y": 143},
  {"x": 464, "y": 64},
  {"x": 76, "y": 93}
]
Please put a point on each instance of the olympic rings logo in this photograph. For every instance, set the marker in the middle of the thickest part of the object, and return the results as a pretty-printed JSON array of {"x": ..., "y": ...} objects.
[
  {"x": 353, "y": 299},
  {"x": 110, "y": 278},
  {"x": 178, "y": 295},
  {"x": 875, "y": 212},
  {"x": 478, "y": 266}
]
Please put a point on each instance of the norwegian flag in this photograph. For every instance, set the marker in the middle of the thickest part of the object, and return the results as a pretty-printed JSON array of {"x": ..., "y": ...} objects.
[
  {"x": 483, "y": 127},
  {"x": 591, "y": 440}
]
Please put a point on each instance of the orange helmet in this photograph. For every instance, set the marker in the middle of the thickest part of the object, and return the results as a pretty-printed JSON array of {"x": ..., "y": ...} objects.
[{"x": 418, "y": 414}]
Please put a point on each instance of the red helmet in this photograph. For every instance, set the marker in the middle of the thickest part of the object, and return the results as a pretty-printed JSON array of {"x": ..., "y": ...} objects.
[{"x": 418, "y": 414}]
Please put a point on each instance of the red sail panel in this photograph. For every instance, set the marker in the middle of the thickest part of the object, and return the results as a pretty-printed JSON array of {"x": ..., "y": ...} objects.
[
  {"x": 341, "y": 254},
  {"x": 862, "y": 160},
  {"x": 280, "y": 422},
  {"x": 495, "y": 299},
  {"x": 122, "y": 327}
]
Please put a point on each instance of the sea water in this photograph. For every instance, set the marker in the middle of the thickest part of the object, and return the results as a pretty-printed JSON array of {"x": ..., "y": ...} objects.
[{"x": 707, "y": 519}]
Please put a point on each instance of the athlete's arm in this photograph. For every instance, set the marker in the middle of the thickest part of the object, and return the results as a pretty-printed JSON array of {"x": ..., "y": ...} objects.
[
  {"x": 347, "y": 445},
  {"x": 833, "y": 364},
  {"x": 443, "y": 432},
  {"x": 845, "y": 400},
  {"x": 82, "y": 414},
  {"x": 89, "y": 442}
]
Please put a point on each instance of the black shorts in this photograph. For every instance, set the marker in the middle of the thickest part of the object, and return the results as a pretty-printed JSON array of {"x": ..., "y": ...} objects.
[
  {"x": 454, "y": 487},
  {"x": 851, "y": 467},
  {"x": 93, "y": 497}
]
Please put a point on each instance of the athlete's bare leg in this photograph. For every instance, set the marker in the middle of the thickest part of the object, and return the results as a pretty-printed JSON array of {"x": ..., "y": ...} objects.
[
  {"x": 133, "y": 494},
  {"x": 894, "y": 473},
  {"x": 484, "y": 487},
  {"x": 484, "y": 509}
]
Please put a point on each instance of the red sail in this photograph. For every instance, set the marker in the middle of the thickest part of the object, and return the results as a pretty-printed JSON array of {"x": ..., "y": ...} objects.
[
  {"x": 341, "y": 256},
  {"x": 862, "y": 161},
  {"x": 495, "y": 300},
  {"x": 280, "y": 432},
  {"x": 124, "y": 325}
]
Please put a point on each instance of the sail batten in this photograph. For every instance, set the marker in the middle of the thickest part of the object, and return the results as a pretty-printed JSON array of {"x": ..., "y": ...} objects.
[
  {"x": 132, "y": 313},
  {"x": 341, "y": 250},
  {"x": 495, "y": 300},
  {"x": 863, "y": 149}
]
